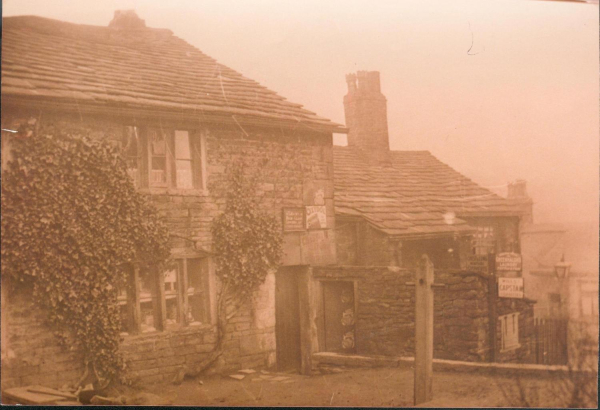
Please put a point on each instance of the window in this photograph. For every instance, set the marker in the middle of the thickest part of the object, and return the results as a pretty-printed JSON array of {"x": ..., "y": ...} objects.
[
  {"x": 129, "y": 149},
  {"x": 168, "y": 301},
  {"x": 159, "y": 158},
  {"x": 510, "y": 331},
  {"x": 484, "y": 240},
  {"x": 183, "y": 160}
]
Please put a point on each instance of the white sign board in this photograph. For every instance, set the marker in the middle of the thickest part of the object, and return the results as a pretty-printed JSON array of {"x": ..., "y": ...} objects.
[
  {"x": 510, "y": 288},
  {"x": 508, "y": 261}
]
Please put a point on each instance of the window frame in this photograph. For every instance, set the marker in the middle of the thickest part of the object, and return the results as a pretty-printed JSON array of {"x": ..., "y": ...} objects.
[
  {"x": 133, "y": 300},
  {"x": 197, "y": 153}
]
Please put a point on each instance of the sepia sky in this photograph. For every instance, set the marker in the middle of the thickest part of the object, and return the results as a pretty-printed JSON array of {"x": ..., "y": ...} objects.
[{"x": 499, "y": 90}]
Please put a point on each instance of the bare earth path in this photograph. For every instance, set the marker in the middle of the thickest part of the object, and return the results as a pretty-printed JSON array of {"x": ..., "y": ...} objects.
[{"x": 389, "y": 387}]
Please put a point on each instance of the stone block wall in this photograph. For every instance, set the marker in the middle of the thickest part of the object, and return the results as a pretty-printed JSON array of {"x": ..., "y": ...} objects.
[
  {"x": 35, "y": 356},
  {"x": 385, "y": 313}
]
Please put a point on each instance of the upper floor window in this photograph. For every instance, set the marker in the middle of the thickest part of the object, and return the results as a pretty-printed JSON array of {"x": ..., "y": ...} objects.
[{"x": 164, "y": 158}]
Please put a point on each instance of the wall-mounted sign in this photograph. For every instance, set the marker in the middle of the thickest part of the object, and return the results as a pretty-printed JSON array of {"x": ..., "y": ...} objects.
[
  {"x": 478, "y": 263},
  {"x": 316, "y": 217},
  {"x": 508, "y": 261},
  {"x": 293, "y": 219},
  {"x": 510, "y": 288}
]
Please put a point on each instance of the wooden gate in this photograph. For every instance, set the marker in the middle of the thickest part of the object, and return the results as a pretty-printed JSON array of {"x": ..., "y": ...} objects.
[
  {"x": 287, "y": 319},
  {"x": 338, "y": 309},
  {"x": 551, "y": 341}
]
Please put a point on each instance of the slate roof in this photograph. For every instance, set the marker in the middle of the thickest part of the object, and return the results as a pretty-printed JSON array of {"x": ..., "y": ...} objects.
[
  {"x": 408, "y": 193},
  {"x": 144, "y": 69}
]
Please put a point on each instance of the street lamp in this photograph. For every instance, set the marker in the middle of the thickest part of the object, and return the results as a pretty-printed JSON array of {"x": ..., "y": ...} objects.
[{"x": 561, "y": 269}]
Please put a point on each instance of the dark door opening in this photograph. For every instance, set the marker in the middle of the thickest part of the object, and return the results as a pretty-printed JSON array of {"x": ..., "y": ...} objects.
[{"x": 287, "y": 319}]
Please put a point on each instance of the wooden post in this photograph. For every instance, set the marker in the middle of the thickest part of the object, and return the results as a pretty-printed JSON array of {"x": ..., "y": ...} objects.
[
  {"x": 133, "y": 296},
  {"x": 424, "y": 331},
  {"x": 160, "y": 309},
  {"x": 492, "y": 306}
]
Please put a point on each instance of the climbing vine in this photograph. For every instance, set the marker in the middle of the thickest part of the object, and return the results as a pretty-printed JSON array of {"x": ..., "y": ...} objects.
[
  {"x": 248, "y": 245},
  {"x": 72, "y": 225}
]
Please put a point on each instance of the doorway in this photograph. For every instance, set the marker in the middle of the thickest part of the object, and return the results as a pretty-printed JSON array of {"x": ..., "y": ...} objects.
[{"x": 287, "y": 319}]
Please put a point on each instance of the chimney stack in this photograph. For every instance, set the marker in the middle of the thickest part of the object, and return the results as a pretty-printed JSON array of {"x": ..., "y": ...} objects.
[
  {"x": 517, "y": 195},
  {"x": 366, "y": 112},
  {"x": 126, "y": 19}
]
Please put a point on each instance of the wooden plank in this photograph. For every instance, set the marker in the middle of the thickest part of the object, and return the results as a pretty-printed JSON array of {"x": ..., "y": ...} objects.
[
  {"x": 133, "y": 296},
  {"x": 423, "y": 389},
  {"x": 51, "y": 392},
  {"x": 21, "y": 395},
  {"x": 160, "y": 307},
  {"x": 183, "y": 294}
]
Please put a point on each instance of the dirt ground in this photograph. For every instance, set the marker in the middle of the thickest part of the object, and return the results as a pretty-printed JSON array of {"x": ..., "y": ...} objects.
[{"x": 387, "y": 387}]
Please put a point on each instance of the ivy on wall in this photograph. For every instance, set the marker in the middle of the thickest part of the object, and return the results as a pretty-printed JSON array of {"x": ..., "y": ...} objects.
[
  {"x": 248, "y": 245},
  {"x": 72, "y": 225}
]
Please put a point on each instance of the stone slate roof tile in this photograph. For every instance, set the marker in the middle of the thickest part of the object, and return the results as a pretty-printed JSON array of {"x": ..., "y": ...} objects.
[
  {"x": 136, "y": 68},
  {"x": 407, "y": 193}
]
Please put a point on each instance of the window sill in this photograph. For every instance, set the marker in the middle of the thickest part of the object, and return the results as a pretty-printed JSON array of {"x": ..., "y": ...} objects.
[
  {"x": 192, "y": 328},
  {"x": 510, "y": 348},
  {"x": 173, "y": 191}
]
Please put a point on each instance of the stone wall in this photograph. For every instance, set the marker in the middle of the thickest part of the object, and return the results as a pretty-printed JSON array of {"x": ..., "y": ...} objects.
[
  {"x": 35, "y": 356},
  {"x": 385, "y": 313},
  {"x": 287, "y": 160}
]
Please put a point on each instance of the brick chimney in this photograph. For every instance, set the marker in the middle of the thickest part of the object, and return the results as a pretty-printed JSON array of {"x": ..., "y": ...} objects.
[
  {"x": 126, "y": 19},
  {"x": 366, "y": 112},
  {"x": 517, "y": 195}
]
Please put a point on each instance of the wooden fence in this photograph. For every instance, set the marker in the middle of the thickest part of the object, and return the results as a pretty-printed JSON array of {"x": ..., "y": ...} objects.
[{"x": 551, "y": 341}]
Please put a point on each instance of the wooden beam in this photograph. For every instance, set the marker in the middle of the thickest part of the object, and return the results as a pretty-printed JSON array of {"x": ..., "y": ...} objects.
[
  {"x": 424, "y": 332},
  {"x": 133, "y": 301},
  {"x": 161, "y": 303},
  {"x": 183, "y": 287}
]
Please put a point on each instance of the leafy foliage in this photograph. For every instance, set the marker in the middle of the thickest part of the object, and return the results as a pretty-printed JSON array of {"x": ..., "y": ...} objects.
[
  {"x": 247, "y": 241},
  {"x": 248, "y": 245},
  {"x": 72, "y": 222}
]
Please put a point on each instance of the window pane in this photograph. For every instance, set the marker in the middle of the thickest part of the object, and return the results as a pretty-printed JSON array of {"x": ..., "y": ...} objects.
[
  {"x": 197, "y": 276},
  {"x": 129, "y": 152},
  {"x": 182, "y": 145},
  {"x": 184, "y": 174},
  {"x": 171, "y": 297},
  {"x": 147, "y": 303},
  {"x": 123, "y": 311},
  {"x": 157, "y": 143}
]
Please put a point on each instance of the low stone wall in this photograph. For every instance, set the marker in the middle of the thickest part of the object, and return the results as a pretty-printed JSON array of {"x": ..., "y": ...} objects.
[{"x": 385, "y": 313}]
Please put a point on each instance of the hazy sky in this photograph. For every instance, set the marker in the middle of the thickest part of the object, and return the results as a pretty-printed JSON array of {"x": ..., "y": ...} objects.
[{"x": 523, "y": 103}]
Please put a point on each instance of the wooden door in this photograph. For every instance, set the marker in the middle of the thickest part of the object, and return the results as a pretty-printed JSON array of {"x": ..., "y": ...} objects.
[
  {"x": 338, "y": 309},
  {"x": 287, "y": 319}
]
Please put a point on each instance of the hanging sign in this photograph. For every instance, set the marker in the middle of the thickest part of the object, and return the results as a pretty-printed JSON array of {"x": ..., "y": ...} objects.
[
  {"x": 508, "y": 261},
  {"x": 510, "y": 288},
  {"x": 293, "y": 219}
]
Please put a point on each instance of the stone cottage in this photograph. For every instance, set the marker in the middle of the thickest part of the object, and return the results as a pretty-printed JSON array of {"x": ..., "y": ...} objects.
[
  {"x": 181, "y": 120},
  {"x": 393, "y": 206}
]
